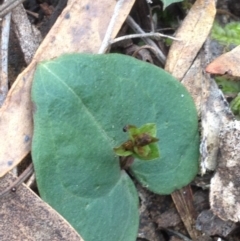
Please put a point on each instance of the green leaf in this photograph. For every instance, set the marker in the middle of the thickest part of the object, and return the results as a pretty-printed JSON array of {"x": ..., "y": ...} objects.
[
  {"x": 166, "y": 3},
  {"x": 154, "y": 152},
  {"x": 120, "y": 151},
  {"x": 149, "y": 128},
  {"x": 142, "y": 151},
  {"x": 82, "y": 103}
]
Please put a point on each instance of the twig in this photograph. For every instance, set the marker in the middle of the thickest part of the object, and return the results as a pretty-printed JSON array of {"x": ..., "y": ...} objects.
[
  {"x": 7, "y": 6},
  {"x": 27, "y": 172},
  {"x": 107, "y": 37},
  {"x": 142, "y": 35},
  {"x": 225, "y": 12},
  {"x": 178, "y": 234},
  {"x": 35, "y": 15},
  {"x": 138, "y": 29},
  {"x": 141, "y": 48},
  {"x": 4, "y": 57},
  {"x": 29, "y": 37},
  {"x": 31, "y": 180},
  {"x": 151, "y": 15}
]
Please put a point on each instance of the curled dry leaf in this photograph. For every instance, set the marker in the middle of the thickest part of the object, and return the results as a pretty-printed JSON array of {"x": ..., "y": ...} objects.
[
  {"x": 224, "y": 192},
  {"x": 72, "y": 32},
  {"x": 227, "y": 63},
  {"x": 182, "y": 53}
]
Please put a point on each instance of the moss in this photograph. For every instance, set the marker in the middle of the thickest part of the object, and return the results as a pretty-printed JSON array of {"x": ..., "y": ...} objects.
[{"x": 229, "y": 34}]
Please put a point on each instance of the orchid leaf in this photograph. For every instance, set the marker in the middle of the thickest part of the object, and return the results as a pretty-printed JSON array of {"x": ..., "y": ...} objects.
[{"x": 82, "y": 102}]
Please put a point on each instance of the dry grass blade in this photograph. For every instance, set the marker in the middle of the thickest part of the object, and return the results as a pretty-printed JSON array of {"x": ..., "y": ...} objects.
[{"x": 183, "y": 200}]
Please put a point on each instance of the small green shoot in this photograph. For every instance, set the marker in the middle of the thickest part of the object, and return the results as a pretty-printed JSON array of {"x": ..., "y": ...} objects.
[{"x": 141, "y": 143}]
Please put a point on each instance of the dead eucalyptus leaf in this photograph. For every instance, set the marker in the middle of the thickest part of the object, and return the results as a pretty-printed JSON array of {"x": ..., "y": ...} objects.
[
  {"x": 227, "y": 63},
  {"x": 193, "y": 82},
  {"x": 24, "y": 216},
  {"x": 192, "y": 33}
]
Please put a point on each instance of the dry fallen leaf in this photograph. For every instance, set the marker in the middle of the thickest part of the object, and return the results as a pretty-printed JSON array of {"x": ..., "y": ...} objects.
[
  {"x": 24, "y": 216},
  {"x": 193, "y": 82},
  {"x": 193, "y": 33},
  {"x": 224, "y": 191},
  {"x": 227, "y": 63},
  {"x": 81, "y": 27}
]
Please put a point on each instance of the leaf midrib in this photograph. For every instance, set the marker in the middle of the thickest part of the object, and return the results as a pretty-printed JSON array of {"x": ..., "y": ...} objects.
[{"x": 99, "y": 126}]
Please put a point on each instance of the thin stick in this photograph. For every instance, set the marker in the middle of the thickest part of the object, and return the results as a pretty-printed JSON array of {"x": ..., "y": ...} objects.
[
  {"x": 107, "y": 37},
  {"x": 142, "y": 35},
  {"x": 31, "y": 180},
  {"x": 7, "y": 6},
  {"x": 27, "y": 172},
  {"x": 161, "y": 57},
  {"x": 143, "y": 47},
  {"x": 178, "y": 234},
  {"x": 35, "y": 15},
  {"x": 4, "y": 57},
  {"x": 28, "y": 36}
]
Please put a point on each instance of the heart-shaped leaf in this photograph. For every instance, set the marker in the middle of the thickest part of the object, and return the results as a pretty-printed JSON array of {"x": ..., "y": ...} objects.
[{"x": 82, "y": 102}]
